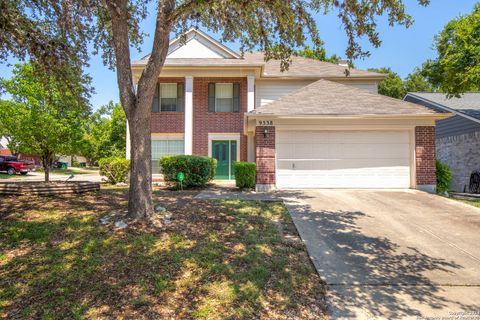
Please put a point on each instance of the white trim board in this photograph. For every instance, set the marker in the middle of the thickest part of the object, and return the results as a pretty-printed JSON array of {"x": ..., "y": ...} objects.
[{"x": 224, "y": 136}]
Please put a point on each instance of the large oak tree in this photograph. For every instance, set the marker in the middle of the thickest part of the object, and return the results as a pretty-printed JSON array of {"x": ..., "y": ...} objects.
[{"x": 58, "y": 32}]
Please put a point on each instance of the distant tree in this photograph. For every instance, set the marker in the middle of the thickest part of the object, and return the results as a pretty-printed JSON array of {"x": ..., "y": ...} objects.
[
  {"x": 392, "y": 85},
  {"x": 416, "y": 82},
  {"x": 105, "y": 133},
  {"x": 318, "y": 53},
  {"x": 43, "y": 118},
  {"x": 56, "y": 33},
  {"x": 457, "y": 68}
]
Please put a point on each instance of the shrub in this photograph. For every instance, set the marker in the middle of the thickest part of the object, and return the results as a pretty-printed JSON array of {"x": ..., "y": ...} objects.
[
  {"x": 444, "y": 177},
  {"x": 214, "y": 168},
  {"x": 245, "y": 173},
  {"x": 196, "y": 169},
  {"x": 115, "y": 169}
]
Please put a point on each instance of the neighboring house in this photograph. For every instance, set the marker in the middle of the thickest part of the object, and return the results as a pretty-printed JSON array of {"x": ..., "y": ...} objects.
[
  {"x": 70, "y": 159},
  {"x": 309, "y": 127},
  {"x": 457, "y": 138}
]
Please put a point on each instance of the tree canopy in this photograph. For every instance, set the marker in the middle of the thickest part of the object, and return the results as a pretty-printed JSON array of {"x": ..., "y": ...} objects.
[
  {"x": 457, "y": 68},
  {"x": 105, "y": 133},
  {"x": 394, "y": 86},
  {"x": 41, "y": 119},
  {"x": 318, "y": 53}
]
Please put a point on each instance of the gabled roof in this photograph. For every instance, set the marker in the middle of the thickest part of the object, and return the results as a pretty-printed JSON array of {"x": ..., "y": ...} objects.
[
  {"x": 328, "y": 98},
  {"x": 204, "y": 41},
  {"x": 221, "y": 56},
  {"x": 306, "y": 67},
  {"x": 468, "y": 104}
]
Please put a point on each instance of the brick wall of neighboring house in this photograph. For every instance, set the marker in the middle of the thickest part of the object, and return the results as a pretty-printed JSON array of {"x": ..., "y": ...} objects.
[
  {"x": 425, "y": 155},
  {"x": 265, "y": 155},
  {"x": 462, "y": 154},
  {"x": 168, "y": 122},
  {"x": 205, "y": 122}
]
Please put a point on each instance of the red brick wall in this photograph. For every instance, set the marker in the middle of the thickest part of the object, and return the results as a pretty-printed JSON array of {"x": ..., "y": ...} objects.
[
  {"x": 168, "y": 122},
  {"x": 425, "y": 155},
  {"x": 205, "y": 122},
  {"x": 265, "y": 155}
]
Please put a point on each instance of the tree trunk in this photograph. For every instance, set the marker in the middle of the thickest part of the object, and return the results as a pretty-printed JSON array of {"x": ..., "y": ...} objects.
[
  {"x": 137, "y": 103},
  {"x": 47, "y": 163},
  {"x": 140, "y": 192}
]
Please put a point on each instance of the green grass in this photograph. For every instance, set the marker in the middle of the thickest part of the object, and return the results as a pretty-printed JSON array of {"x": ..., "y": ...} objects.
[
  {"x": 69, "y": 171},
  {"x": 217, "y": 260},
  {"x": 475, "y": 203},
  {"x": 6, "y": 176}
]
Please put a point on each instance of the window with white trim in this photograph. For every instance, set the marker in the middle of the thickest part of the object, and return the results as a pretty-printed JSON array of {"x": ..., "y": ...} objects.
[
  {"x": 165, "y": 147},
  {"x": 224, "y": 97},
  {"x": 168, "y": 97}
]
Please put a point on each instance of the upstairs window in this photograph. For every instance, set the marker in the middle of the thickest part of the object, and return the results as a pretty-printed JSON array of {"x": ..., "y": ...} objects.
[
  {"x": 169, "y": 97},
  {"x": 223, "y": 97}
]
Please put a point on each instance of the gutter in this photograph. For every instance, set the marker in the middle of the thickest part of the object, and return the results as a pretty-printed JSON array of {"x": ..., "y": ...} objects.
[{"x": 436, "y": 116}]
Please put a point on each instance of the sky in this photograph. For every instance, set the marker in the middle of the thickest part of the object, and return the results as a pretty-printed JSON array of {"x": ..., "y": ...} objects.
[{"x": 402, "y": 49}]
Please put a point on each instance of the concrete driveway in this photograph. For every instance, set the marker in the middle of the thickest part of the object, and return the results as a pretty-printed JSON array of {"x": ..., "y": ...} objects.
[{"x": 392, "y": 254}]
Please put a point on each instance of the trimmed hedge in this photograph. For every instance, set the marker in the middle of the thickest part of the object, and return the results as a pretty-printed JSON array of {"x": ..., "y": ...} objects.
[
  {"x": 245, "y": 173},
  {"x": 444, "y": 177},
  {"x": 197, "y": 170},
  {"x": 115, "y": 169}
]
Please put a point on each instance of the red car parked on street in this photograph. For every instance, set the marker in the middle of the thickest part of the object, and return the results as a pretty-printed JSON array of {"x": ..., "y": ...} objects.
[{"x": 11, "y": 165}]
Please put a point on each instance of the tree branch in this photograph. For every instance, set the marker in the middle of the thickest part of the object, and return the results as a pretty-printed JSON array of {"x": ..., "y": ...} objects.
[
  {"x": 119, "y": 15},
  {"x": 159, "y": 51}
]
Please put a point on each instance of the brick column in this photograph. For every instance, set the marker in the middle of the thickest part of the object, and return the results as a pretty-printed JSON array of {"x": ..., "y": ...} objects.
[
  {"x": 425, "y": 158},
  {"x": 265, "y": 157}
]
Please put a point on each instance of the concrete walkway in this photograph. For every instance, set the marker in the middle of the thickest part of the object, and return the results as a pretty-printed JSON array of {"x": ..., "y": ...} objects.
[{"x": 392, "y": 254}]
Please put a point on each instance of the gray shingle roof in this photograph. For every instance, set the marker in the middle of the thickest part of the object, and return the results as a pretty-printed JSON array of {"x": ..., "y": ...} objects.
[
  {"x": 299, "y": 68},
  {"x": 304, "y": 67},
  {"x": 325, "y": 97},
  {"x": 468, "y": 103}
]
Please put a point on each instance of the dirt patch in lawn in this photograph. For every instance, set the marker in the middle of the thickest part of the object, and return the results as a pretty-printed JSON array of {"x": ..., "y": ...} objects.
[{"x": 216, "y": 260}]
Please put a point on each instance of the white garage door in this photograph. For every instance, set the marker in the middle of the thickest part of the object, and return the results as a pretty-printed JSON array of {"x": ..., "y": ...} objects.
[{"x": 343, "y": 159}]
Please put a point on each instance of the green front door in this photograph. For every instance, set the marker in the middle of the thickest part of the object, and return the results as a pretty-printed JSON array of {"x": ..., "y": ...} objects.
[{"x": 225, "y": 151}]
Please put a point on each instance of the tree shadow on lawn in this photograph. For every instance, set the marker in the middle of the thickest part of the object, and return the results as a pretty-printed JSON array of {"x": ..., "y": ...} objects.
[
  {"x": 372, "y": 273},
  {"x": 216, "y": 260}
]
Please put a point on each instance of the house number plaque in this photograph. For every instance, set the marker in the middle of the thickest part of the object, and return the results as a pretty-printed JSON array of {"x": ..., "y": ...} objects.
[{"x": 265, "y": 122}]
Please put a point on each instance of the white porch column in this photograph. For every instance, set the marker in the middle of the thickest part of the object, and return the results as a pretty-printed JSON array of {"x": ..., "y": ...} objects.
[
  {"x": 188, "y": 115},
  {"x": 250, "y": 93},
  {"x": 128, "y": 142}
]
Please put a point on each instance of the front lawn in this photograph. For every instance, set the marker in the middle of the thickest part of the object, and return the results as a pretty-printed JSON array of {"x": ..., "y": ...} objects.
[
  {"x": 69, "y": 171},
  {"x": 216, "y": 260},
  {"x": 6, "y": 176}
]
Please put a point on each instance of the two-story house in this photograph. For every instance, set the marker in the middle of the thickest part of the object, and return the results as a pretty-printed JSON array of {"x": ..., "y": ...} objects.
[{"x": 309, "y": 127}]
